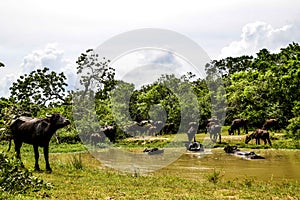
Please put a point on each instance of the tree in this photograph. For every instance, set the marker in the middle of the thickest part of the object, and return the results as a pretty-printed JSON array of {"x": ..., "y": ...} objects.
[
  {"x": 38, "y": 89},
  {"x": 95, "y": 76}
]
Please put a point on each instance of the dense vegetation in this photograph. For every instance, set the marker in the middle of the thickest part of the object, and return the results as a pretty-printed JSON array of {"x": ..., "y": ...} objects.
[{"x": 257, "y": 88}]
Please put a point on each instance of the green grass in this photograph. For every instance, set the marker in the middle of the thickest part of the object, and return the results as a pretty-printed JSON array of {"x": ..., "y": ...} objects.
[
  {"x": 77, "y": 175},
  {"x": 94, "y": 181}
]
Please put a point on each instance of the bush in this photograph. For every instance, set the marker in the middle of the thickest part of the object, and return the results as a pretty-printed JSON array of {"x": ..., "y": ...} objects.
[
  {"x": 293, "y": 129},
  {"x": 15, "y": 179}
]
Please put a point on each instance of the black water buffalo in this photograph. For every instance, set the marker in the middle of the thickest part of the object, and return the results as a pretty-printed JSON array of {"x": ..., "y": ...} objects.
[
  {"x": 110, "y": 132},
  {"x": 257, "y": 135},
  {"x": 236, "y": 125},
  {"x": 270, "y": 123},
  {"x": 243, "y": 154},
  {"x": 152, "y": 130},
  {"x": 95, "y": 138},
  {"x": 38, "y": 132},
  {"x": 168, "y": 128},
  {"x": 215, "y": 132}
]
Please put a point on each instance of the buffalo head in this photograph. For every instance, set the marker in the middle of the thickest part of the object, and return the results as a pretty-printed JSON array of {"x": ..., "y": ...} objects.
[
  {"x": 248, "y": 138},
  {"x": 58, "y": 120}
]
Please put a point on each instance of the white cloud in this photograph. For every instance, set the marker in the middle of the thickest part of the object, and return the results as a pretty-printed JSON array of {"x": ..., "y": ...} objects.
[
  {"x": 145, "y": 66},
  {"x": 51, "y": 56},
  {"x": 258, "y": 35},
  {"x": 5, "y": 83}
]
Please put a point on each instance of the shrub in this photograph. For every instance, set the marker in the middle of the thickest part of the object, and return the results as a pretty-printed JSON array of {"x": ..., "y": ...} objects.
[
  {"x": 293, "y": 129},
  {"x": 15, "y": 179}
]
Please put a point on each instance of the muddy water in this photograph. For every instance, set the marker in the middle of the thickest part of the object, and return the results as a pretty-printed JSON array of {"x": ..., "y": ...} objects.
[{"x": 278, "y": 165}]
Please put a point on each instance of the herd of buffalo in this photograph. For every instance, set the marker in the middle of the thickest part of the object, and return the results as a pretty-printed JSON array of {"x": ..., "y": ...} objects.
[{"x": 38, "y": 132}]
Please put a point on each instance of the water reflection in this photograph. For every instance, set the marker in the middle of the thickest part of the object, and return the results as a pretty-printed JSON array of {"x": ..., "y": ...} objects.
[{"x": 277, "y": 165}]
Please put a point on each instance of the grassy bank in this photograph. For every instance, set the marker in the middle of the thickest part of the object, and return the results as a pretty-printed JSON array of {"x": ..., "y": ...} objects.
[
  {"x": 88, "y": 179},
  {"x": 77, "y": 175}
]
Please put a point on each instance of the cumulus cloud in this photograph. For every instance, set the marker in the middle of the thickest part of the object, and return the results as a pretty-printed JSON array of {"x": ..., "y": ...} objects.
[
  {"x": 5, "y": 83},
  {"x": 146, "y": 66},
  {"x": 258, "y": 35},
  {"x": 51, "y": 56}
]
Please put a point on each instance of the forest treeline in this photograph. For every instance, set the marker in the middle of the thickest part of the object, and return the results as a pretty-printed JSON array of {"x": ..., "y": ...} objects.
[{"x": 253, "y": 87}]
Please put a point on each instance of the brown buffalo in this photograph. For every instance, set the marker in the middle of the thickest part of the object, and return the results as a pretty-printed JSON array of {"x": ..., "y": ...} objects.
[
  {"x": 236, "y": 125},
  {"x": 210, "y": 122},
  {"x": 270, "y": 123},
  {"x": 257, "y": 135},
  {"x": 38, "y": 132},
  {"x": 215, "y": 132}
]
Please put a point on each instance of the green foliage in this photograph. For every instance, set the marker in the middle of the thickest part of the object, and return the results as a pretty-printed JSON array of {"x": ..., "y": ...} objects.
[
  {"x": 256, "y": 88},
  {"x": 38, "y": 89},
  {"x": 95, "y": 74},
  {"x": 14, "y": 179},
  {"x": 263, "y": 87},
  {"x": 293, "y": 129}
]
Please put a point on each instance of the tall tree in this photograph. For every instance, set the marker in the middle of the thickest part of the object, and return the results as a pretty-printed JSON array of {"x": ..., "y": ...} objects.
[
  {"x": 96, "y": 76},
  {"x": 40, "y": 88}
]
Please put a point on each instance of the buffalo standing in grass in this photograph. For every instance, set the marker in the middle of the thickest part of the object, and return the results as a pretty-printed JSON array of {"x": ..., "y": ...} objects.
[
  {"x": 236, "y": 125},
  {"x": 270, "y": 124},
  {"x": 215, "y": 132},
  {"x": 38, "y": 132},
  {"x": 209, "y": 123},
  {"x": 257, "y": 135}
]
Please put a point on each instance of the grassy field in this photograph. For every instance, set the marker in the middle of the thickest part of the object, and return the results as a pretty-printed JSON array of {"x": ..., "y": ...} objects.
[{"x": 77, "y": 175}]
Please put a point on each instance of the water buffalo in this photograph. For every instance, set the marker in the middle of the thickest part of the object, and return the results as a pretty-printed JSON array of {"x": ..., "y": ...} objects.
[
  {"x": 110, "y": 132},
  {"x": 168, "y": 128},
  {"x": 236, "y": 125},
  {"x": 192, "y": 132},
  {"x": 243, "y": 154},
  {"x": 215, "y": 132},
  {"x": 270, "y": 123},
  {"x": 38, "y": 132},
  {"x": 95, "y": 138},
  {"x": 152, "y": 130},
  {"x": 210, "y": 122},
  {"x": 257, "y": 135}
]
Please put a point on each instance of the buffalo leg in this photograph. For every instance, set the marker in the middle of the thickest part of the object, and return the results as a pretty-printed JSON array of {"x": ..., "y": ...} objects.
[
  {"x": 46, "y": 155},
  {"x": 36, "y": 156},
  {"x": 18, "y": 146},
  {"x": 269, "y": 141},
  {"x": 265, "y": 141}
]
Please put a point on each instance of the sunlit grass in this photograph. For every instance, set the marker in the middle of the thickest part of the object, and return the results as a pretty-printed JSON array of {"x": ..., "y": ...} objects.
[
  {"x": 77, "y": 175},
  {"x": 95, "y": 181}
]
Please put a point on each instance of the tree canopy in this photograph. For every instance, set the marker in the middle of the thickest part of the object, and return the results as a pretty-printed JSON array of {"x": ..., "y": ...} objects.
[{"x": 253, "y": 87}]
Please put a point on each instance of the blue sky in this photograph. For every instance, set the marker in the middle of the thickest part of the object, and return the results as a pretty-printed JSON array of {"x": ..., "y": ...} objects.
[{"x": 54, "y": 33}]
